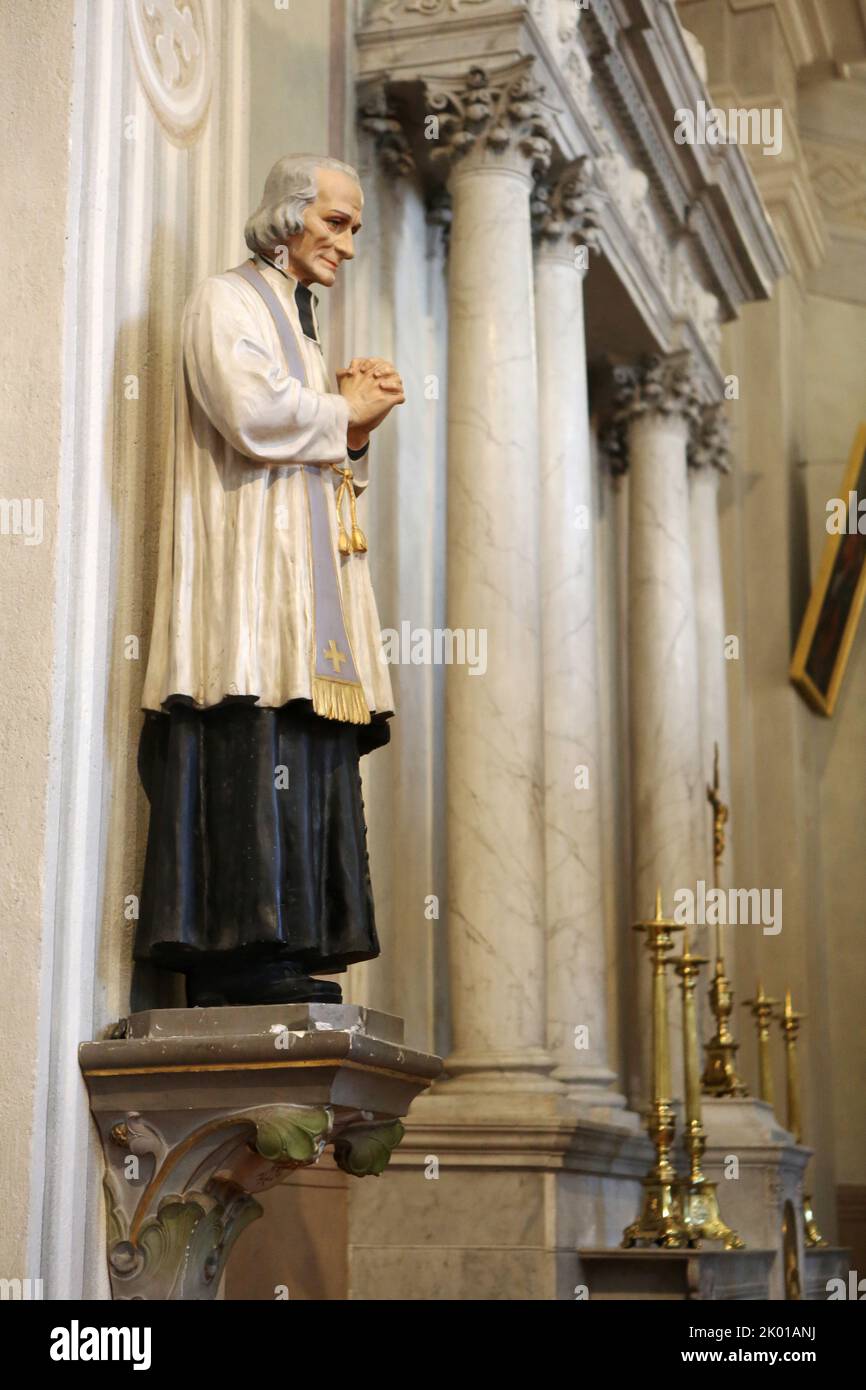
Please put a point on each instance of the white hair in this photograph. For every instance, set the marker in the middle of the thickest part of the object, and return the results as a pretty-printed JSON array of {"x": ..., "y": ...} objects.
[{"x": 289, "y": 188}]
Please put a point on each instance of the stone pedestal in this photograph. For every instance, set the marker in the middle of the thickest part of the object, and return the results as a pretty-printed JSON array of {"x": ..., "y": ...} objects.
[
  {"x": 481, "y": 1204},
  {"x": 758, "y": 1169},
  {"x": 824, "y": 1264},
  {"x": 682, "y": 1275},
  {"x": 198, "y": 1109}
]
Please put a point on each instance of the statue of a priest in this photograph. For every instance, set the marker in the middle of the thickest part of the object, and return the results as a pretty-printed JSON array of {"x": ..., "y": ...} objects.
[{"x": 265, "y": 682}]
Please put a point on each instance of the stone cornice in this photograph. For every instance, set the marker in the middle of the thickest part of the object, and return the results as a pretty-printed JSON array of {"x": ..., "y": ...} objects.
[
  {"x": 610, "y": 86},
  {"x": 654, "y": 76},
  {"x": 785, "y": 186}
]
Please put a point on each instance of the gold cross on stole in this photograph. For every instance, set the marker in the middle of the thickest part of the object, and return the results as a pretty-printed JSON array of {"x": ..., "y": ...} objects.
[{"x": 333, "y": 654}]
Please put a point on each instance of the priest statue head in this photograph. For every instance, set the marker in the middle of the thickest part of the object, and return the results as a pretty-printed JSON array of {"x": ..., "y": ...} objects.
[{"x": 308, "y": 218}]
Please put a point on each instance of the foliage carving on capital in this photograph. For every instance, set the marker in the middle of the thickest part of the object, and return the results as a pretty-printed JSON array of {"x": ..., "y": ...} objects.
[
  {"x": 496, "y": 113},
  {"x": 566, "y": 208},
  {"x": 379, "y": 118},
  {"x": 711, "y": 446},
  {"x": 664, "y": 386}
]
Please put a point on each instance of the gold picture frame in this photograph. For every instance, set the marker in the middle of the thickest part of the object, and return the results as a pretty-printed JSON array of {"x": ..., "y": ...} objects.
[{"x": 831, "y": 618}]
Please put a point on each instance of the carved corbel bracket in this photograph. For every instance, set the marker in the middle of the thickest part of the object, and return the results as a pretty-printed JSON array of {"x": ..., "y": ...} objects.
[{"x": 195, "y": 1122}]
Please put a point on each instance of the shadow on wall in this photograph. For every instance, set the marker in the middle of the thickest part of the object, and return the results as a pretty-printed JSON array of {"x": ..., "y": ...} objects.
[{"x": 298, "y": 1249}]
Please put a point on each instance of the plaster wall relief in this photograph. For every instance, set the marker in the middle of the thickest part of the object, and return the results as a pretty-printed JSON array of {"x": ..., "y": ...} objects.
[
  {"x": 392, "y": 11},
  {"x": 839, "y": 179},
  {"x": 172, "y": 43}
]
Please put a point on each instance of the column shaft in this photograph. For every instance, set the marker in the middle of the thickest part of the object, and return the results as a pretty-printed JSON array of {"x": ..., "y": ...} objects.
[
  {"x": 576, "y": 965},
  {"x": 663, "y": 693},
  {"x": 493, "y": 721},
  {"x": 667, "y": 786}
]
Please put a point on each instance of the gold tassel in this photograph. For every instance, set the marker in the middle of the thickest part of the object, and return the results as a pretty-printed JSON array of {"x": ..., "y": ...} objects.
[
  {"x": 359, "y": 540},
  {"x": 340, "y": 700}
]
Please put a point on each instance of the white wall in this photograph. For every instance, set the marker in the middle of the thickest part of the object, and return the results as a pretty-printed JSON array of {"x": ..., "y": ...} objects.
[
  {"x": 152, "y": 209},
  {"x": 37, "y": 44},
  {"x": 835, "y": 387}
]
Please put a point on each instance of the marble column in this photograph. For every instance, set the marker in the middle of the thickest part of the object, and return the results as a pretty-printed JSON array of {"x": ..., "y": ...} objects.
[
  {"x": 492, "y": 142},
  {"x": 658, "y": 405},
  {"x": 576, "y": 948}
]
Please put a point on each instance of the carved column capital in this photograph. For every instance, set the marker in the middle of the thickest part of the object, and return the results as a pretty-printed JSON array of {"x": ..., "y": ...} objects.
[
  {"x": 711, "y": 445},
  {"x": 566, "y": 208},
  {"x": 494, "y": 118},
  {"x": 431, "y": 124},
  {"x": 661, "y": 386},
  {"x": 378, "y": 115}
]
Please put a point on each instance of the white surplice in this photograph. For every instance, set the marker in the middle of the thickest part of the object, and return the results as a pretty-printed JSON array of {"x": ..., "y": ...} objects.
[{"x": 234, "y": 599}]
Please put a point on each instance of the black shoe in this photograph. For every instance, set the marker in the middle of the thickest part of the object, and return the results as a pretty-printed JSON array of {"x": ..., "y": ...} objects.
[{"x": 263, "y": 982}]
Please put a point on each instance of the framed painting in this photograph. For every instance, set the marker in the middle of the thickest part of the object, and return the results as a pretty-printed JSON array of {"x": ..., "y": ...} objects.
[{"x": 830, "y": 622}]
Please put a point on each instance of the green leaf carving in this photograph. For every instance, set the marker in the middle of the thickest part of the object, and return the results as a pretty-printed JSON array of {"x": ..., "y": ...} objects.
[
  {"x": 365, "y": 1150},
  {"x": 292, "y": 1136}
]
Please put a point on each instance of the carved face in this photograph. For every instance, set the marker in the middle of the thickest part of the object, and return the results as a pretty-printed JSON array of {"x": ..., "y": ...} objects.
[{"x": 330, "y": 224}]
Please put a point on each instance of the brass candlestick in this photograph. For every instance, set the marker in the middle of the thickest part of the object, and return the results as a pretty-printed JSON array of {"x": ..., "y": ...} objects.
[
  {"x": 698, "y": 1196},
  {"x": 661, "y": 1219},
  {"x": 790, "y": 1021},
  {"x": 720, "y": 1070},
  {"x": 762, "y": 1007}
]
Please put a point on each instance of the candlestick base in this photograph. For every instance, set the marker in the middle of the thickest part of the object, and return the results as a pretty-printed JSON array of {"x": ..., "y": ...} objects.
[
  {"x": 720, "y": 1069},
  {"x": 699, "y": 1203},
  {"x": 661, "y": 1220}
]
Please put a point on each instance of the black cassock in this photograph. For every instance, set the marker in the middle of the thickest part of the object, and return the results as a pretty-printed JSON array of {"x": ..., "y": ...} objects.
[{"x": 257, "y": 847}]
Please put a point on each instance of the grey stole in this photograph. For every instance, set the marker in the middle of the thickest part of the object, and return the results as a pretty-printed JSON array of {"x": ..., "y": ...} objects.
[{"x": 337, "y": 692}]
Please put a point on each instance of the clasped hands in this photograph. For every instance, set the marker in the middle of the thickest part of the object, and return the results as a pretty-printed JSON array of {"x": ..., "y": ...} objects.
[{"x": 371, "y": 387}]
